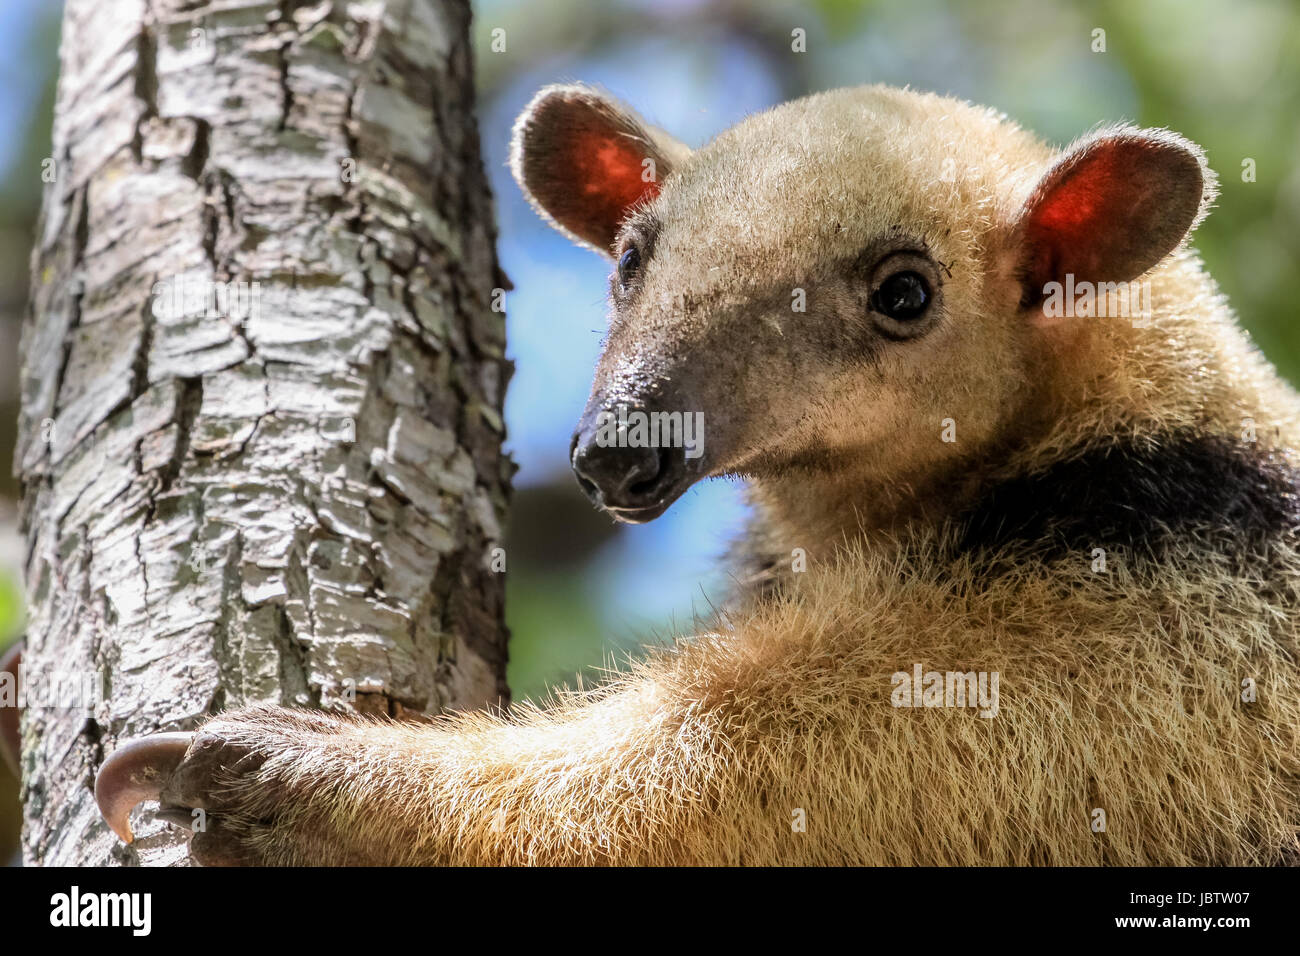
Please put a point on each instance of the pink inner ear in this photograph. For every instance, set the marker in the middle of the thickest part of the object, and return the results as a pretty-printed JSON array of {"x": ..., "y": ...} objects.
[
  {"x": 609, "y": 170},
  {"x": 1109, "y": 210},
  {"x": 1081, "y": 201}
]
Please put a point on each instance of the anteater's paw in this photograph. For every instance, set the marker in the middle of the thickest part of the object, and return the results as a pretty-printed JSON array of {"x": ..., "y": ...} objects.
[{"x": 242, "y": 783}]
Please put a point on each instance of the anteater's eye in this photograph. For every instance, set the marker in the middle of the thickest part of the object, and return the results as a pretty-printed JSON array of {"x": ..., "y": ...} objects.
[
  {"x": 903, "y": 296},
  {"x": 628, "y": 264}
]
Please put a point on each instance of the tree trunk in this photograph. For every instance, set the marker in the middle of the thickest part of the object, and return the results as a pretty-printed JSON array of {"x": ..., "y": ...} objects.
[{"x": 262, "y": 384}]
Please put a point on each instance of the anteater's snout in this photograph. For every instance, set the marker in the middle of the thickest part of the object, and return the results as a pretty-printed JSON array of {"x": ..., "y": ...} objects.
[{"x": 635, "y": 482}]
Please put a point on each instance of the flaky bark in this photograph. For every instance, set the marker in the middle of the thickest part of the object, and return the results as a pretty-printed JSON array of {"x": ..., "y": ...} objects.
[{"x": 292, "y": 499}]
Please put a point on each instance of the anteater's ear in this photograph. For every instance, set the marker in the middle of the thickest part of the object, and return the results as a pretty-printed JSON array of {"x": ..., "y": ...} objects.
[
  {"x": 1112, "y": 206},
  {"x": 584, "y": 160}
]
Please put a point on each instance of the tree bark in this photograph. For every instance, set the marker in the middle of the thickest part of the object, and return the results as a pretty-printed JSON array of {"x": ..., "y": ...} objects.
[{"x": 283, "y": 491}]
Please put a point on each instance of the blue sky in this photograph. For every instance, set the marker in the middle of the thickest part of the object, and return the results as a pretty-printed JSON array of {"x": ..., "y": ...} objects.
[{"x": 23, "y": 71}]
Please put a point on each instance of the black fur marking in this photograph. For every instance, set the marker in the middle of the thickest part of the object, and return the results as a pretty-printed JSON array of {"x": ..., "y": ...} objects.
[{"x": 1143, "y": 496}]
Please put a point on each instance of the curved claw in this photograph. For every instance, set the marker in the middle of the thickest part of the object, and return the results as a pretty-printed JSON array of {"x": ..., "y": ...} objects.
[
  {"x": 134, "y": 773},
  {"x": 10, "y": 742}
]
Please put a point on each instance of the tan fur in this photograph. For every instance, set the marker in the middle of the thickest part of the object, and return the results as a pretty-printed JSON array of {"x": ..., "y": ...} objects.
[
  {"x": 1119, "y": 691},
  {"x": 1121, "y": 696}
]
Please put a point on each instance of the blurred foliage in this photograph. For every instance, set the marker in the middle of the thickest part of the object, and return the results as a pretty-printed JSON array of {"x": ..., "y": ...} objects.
[
  {"x": 11, "y": 610},
  {"x": 29, "y": 36},
  {"x": 11, "y": 617},
  {"x": 28, "y": 71},
  {"x": 563, "y": 638}
]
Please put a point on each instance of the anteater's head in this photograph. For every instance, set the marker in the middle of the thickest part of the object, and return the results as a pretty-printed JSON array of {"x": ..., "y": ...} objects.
[{"x": 834, "y": 278}]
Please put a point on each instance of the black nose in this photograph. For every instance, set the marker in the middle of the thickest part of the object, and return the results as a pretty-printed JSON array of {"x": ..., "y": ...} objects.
[{"x": 630, "y": 482}]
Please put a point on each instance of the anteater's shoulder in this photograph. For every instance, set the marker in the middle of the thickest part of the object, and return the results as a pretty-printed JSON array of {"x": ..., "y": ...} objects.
[{"x": 1143, "y": 495}]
